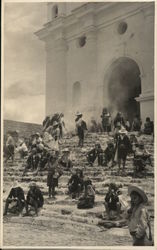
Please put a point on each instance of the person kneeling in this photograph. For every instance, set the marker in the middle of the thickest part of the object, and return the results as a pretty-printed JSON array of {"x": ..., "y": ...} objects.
[
  {"x": 88, "y": 197},
  {"x": 94, "y": 153},
  {"x": 16, "y": 199},
  {"x": 34, "y": 198},
  {"x": 112, "y": 204}
]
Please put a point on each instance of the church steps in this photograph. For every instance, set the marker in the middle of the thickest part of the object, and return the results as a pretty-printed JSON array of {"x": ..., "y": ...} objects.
[{"x": 63, "y": 209}]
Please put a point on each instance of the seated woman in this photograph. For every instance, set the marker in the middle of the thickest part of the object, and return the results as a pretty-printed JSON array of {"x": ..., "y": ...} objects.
[
  {"x": 65, "y": 163},
  {"x": 75, "y": 184},
  {"x": 17, "y": 197},
  {"x": 32, "y": 161},
  {"x": 88, "y": 197},
  {"x": 141, "y": 158},
  {"x": 34, "y": 198},
  {"x": 22, "y": 149},
  {"x": 112, "y": 204}
]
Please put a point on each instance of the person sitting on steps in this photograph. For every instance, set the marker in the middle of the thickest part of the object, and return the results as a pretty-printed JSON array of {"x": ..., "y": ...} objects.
[
  {"x": 75, "y": 184},
  {"x": 65, "y": 162},
  {"x": 88, "y": 198},
  {"x": 112, "y": 204},
  {"x": 141, "y": 158},
  {"x": 94, "y": 153},
  {"x": 109, "y": 154}
]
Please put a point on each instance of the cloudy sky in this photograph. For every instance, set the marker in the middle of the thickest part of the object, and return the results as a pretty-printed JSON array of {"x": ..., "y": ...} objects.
[{"x": 24, "y": 62}]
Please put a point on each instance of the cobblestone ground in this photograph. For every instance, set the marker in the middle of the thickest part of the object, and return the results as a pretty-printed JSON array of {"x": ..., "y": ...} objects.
[{"x": 60, "y": 223}]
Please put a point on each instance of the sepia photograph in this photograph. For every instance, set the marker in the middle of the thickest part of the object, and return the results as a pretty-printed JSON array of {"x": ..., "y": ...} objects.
[{"x": 78, "y": 162}]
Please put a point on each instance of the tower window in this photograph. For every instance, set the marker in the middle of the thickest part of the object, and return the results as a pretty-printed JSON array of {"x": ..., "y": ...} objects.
[
  {"x": 55, "y": 11},
  {"x": 81, "y": 41},
  {"x": 122, "y": 27},
  {"x": 76, "y": 94}
]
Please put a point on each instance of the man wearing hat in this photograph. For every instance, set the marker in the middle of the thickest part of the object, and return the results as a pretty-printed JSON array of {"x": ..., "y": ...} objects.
[
  {"x": 119, "y": 120},
  {"x": 80, "y": 128},
  {"x": 65, "y": 162},
  {"x": 123, "y": 147},
  {"x": 53, "y": 175},
  {"x": 106, "y": 120},
  {"x": 34, "y": 198},
  {"x": 9, "y": 148},
  {"x": 138, "y": 219}
]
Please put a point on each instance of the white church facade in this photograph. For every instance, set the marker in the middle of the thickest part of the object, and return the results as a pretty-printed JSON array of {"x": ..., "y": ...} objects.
[{"x": 99, "y": 55}]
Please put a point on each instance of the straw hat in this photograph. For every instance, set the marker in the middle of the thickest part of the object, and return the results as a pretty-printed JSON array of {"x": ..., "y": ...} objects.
[
  {"x": 65, "y": 150},
  {"x": 78, "y": 113},
  {"x": 55, "y": 123},
  {"x": 139, "y": 191},
  {"x": 123, "y": 131}
]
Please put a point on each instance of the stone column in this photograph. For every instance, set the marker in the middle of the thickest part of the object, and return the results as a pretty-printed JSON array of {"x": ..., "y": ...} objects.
[
  {"x": 146, "y": 98},
  {"x": 56, "y": 77},
  {"x": 91, "y": 88}
]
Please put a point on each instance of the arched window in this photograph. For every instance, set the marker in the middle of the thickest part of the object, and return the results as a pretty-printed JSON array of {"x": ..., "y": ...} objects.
[
  {"x": 54, "y": 11},
  {"x": 76, "y": 94}
]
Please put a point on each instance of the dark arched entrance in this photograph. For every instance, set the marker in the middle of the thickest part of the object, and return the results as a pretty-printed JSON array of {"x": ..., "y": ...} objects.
[{"x": 124, "y": 85}]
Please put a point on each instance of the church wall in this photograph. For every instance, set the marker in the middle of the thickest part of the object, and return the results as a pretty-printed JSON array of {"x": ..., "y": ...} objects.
[{"x": 67, "y": 63}]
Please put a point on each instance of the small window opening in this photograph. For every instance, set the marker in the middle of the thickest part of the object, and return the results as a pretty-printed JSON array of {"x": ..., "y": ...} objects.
[
  {"x": 122, "y": 27},
  {"x": 82, "y": 41},
  {"x": 55, "y": 11}
]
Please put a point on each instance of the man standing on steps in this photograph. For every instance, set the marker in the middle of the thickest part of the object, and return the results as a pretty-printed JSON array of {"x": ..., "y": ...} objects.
[
  {"x": 10, "y": 148},
  {"x": 16, "y": 197},
  {"x": 80, "y": 128},
  {"x": 54, "y": 173},
  {"x": 123, "y": 146}
]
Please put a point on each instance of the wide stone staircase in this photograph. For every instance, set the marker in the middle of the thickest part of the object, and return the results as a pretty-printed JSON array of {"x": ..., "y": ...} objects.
[{"x": 63, "y": 209}]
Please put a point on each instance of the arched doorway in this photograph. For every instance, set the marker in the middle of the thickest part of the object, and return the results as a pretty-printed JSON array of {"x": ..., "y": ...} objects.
[
  {"x": 124, "y": 85},
  {"x": 76, "y": 98}
]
